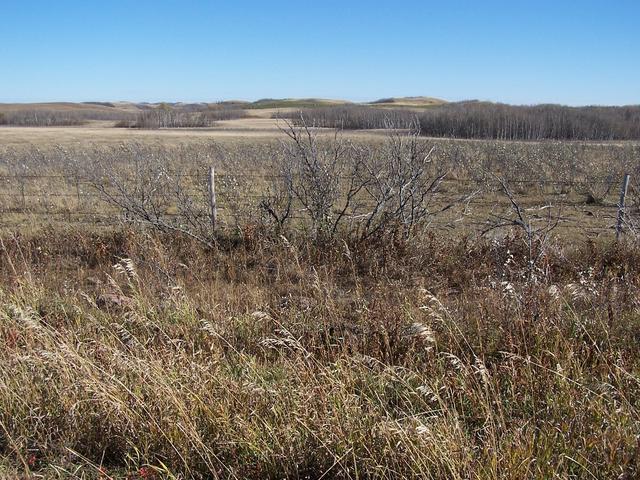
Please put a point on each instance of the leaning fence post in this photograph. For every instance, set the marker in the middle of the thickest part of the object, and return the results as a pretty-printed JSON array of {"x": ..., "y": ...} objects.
[
  {"x": 212, "y": 198},
  {"x": 623, "y": 196}
]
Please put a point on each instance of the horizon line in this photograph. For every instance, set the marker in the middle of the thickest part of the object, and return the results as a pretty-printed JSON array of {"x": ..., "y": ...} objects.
[{"x": 320, "y": 98}]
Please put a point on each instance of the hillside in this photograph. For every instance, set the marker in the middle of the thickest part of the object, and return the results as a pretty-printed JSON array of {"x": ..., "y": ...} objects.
[
  {"x": 65, "y": 106},
  {"x": 407, "y": 102},
  {"x": 296, "y": 103},
  {"x": 125, "y": 107}
]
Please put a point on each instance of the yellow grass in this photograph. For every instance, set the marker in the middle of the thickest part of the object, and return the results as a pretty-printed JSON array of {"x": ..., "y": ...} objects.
[{"x": 103, "y": 133}]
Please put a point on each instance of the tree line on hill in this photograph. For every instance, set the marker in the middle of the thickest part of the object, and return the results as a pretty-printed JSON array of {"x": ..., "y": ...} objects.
[{"x": 482, "y": 120}]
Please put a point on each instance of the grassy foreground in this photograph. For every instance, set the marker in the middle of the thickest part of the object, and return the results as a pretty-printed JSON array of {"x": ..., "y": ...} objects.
[{"x": 124, "y": 355}]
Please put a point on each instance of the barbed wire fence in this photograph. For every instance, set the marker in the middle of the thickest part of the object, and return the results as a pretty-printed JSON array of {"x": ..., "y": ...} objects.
[{"x": 36, "y": 199}]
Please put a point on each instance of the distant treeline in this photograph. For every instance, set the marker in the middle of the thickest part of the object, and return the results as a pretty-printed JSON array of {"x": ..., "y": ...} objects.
[
  {"x": 480, "y": 120},
  {"x": 147, "y": 116},
  {"x": 57, "y": 118},
  {"x": 352, "y": 117},
  {"x": 170, "y": 117},
  {"x": 506, "y": 122}
]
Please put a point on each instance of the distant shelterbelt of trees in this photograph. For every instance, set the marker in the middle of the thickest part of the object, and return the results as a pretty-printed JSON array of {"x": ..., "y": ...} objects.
[
  {"x": 42, "y": 117},
  {"x": 506, "y": 122},
  {"x": 481, "y": 120},
  {"x": 182, "y": 117},
  {"x": 137, "y": 116}
]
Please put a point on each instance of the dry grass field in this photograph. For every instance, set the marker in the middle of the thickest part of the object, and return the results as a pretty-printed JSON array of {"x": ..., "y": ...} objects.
[
  {"x": 369, "y": 305},
  {"x": 260, "y": 124}
]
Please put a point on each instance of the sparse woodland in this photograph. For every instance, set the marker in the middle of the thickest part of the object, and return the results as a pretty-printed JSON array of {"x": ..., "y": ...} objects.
[
  {"x": 482, "y": 120},
  {"x": 57, "y": 117},
  {"x": 139, "y": 116},
  {"x": 169, "y": 117}
]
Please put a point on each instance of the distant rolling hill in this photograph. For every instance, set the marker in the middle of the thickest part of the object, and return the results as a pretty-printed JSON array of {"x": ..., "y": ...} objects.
[
  {"x": 414, "y": 102},
  {"x": 124, "y": 113},
  {"x": 58, "y": 106},
  {"x": 407, "y": 102},
  {"x": 296, "y": 103},
  {"x": 265, "y": 103}
]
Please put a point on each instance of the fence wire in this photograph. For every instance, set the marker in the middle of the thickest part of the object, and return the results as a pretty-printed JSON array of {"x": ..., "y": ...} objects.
[{"x": 29, "y": 198}]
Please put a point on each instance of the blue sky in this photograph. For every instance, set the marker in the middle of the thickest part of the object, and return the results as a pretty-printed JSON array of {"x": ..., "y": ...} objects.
[{"x": 569, "y": 52}]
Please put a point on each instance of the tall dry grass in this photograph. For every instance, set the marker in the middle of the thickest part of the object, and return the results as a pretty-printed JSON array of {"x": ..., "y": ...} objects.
[{"x": 126, "y": 355}]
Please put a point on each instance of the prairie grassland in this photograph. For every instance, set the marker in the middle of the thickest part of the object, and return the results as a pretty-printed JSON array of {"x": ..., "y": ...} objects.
[
  {"x": 260, "y": 125},
  {"x": 286, "y": 350},
  {"x": 146, "y": 356}
]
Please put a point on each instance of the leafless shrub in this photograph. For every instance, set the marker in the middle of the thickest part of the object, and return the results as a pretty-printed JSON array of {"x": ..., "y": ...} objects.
[
  {"x": 316, "y": 170},
  {"x": 402, "y": 181},
  {"x": 149, "y": 192},
  {"x": 374, "y": 189},
  {"x": 268, "y": 184},
  {"x": 238, "y": 193},
  {"x": 277, "y": 202},
  {"x": 535, "y": 228}
]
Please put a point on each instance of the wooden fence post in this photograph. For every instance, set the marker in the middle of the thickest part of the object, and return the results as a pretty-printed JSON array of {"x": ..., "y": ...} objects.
[
  {"x": 22, "y": 194},
  {"x": 623, "y": 196},
  {"x": 77, "y": 180},
  {"x": 212, "y": 198}
]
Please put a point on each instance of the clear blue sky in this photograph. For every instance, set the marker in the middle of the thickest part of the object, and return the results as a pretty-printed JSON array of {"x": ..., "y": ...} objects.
[{"x": 561, "y": 51}]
